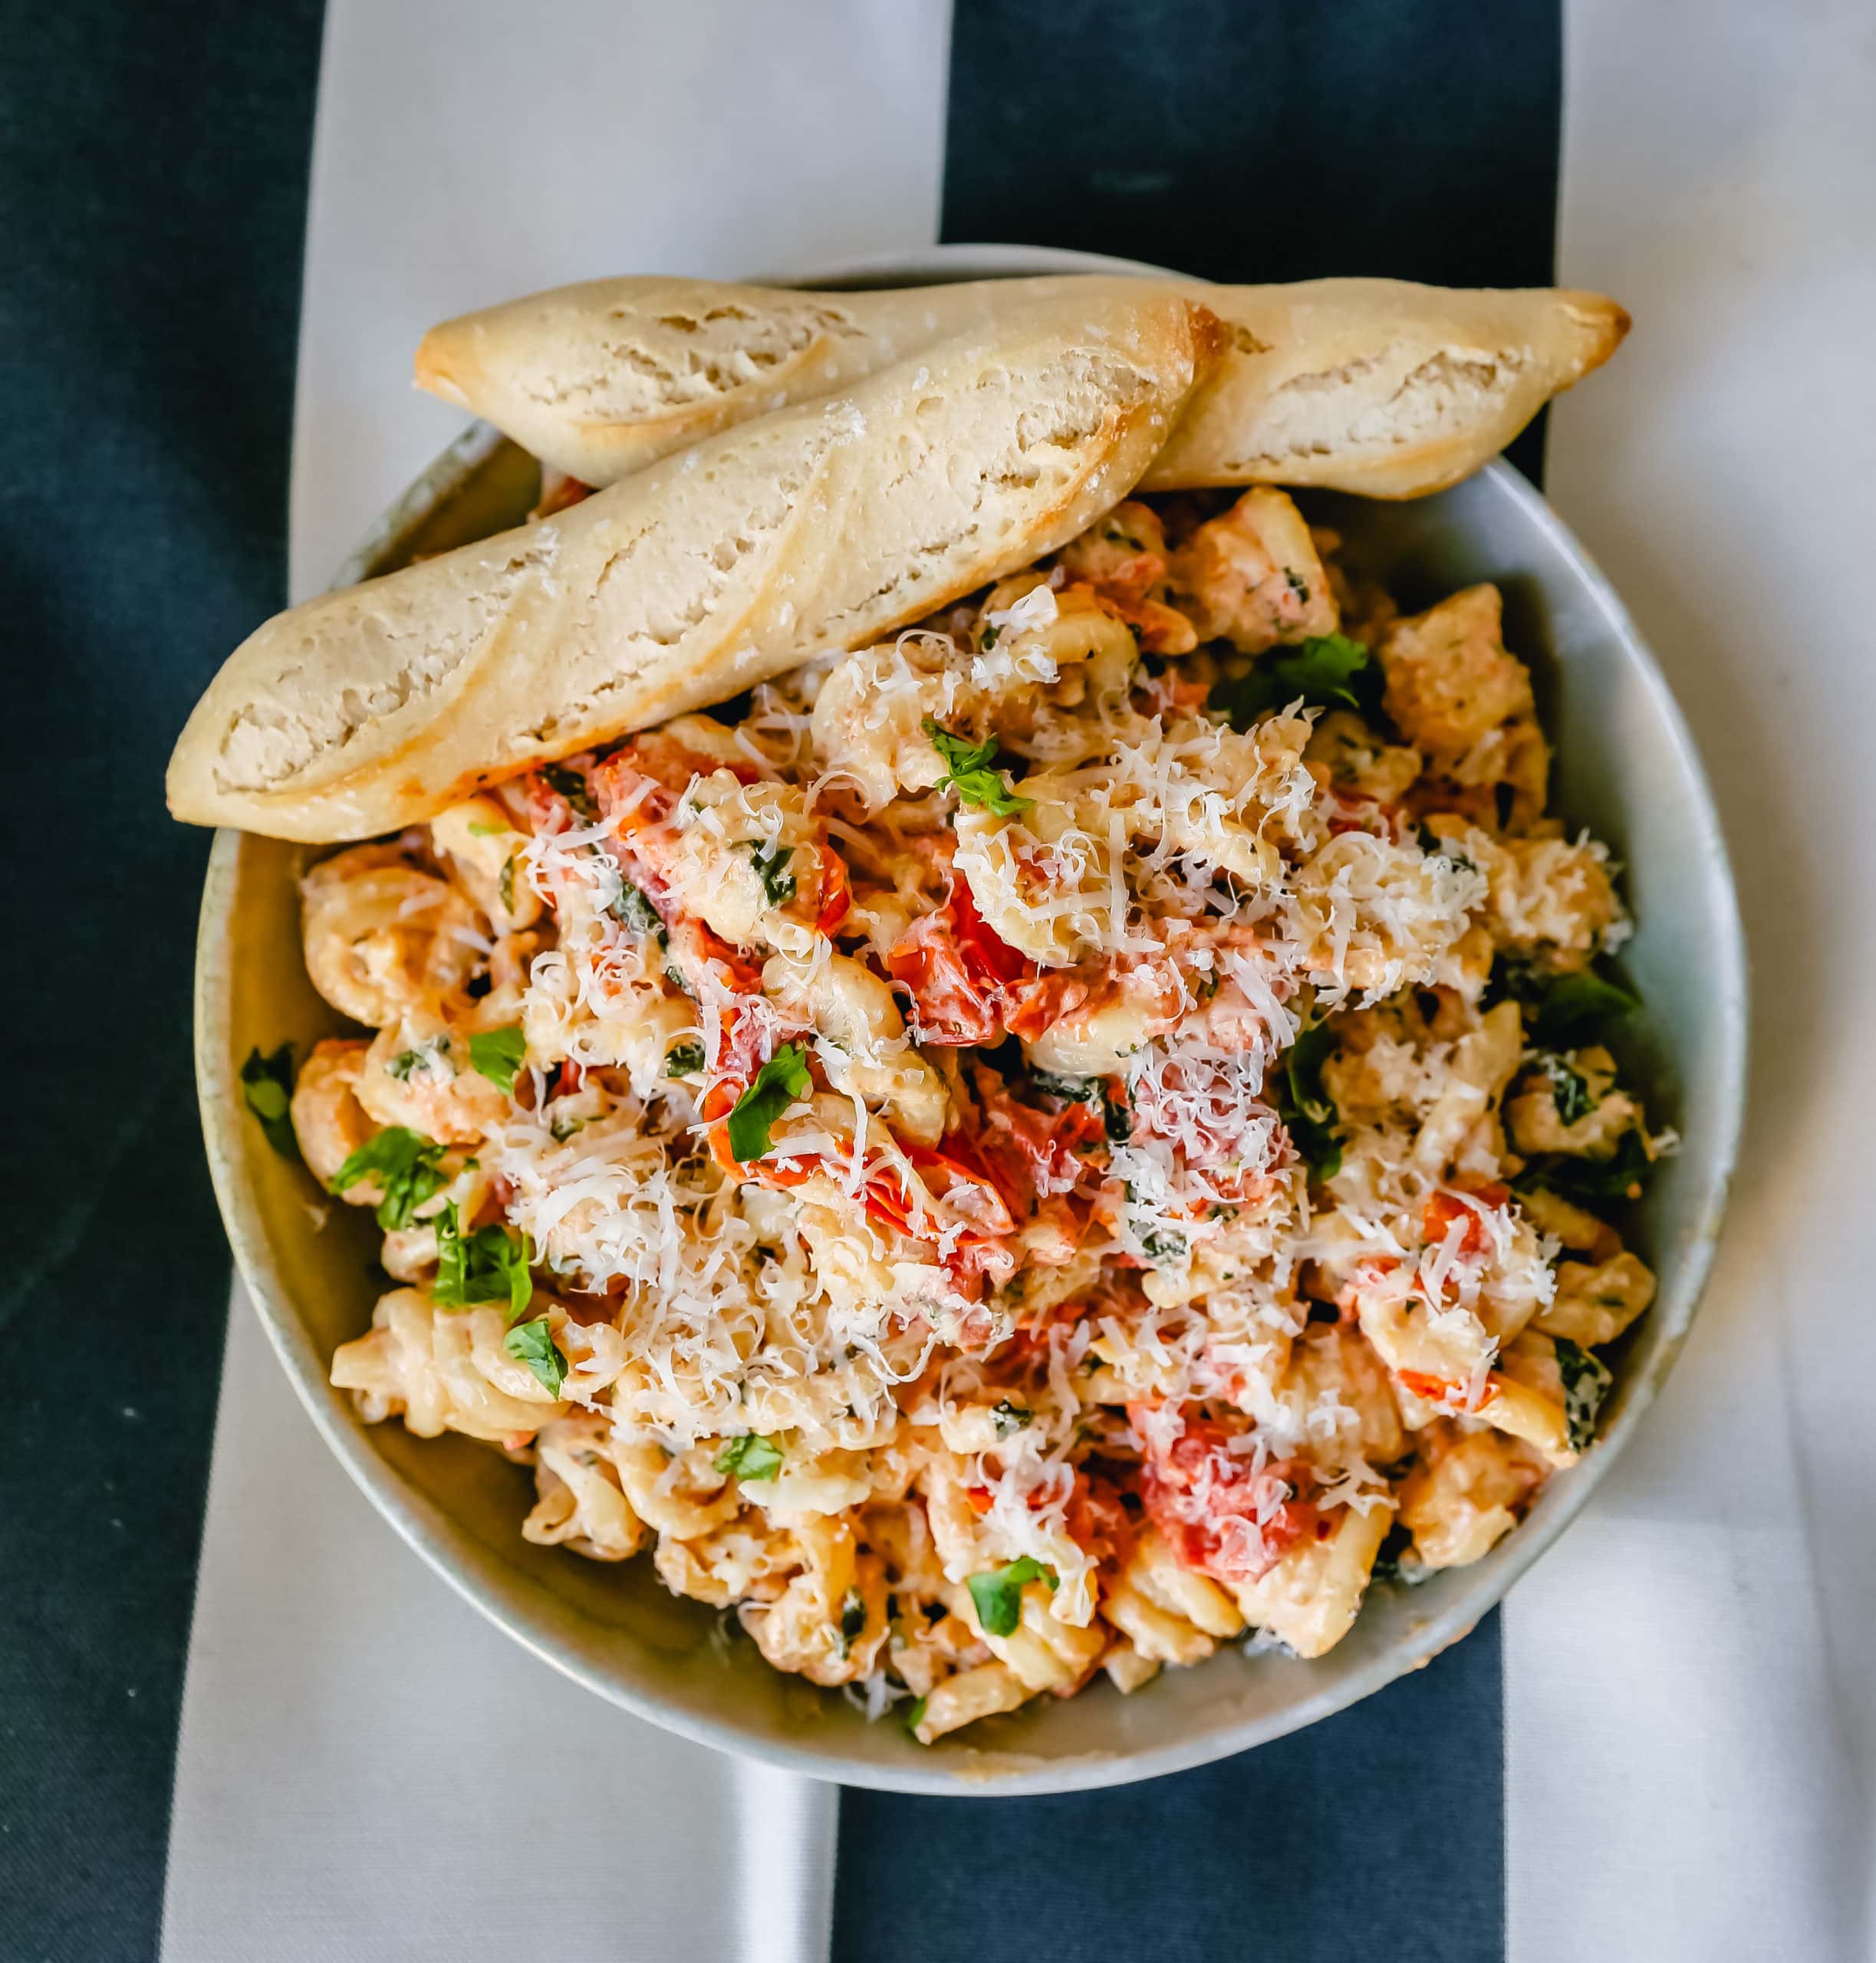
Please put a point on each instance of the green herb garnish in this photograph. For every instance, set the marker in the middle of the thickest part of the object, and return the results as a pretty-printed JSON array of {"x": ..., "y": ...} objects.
[
  {"x": 1116, "y": 1117},
  {"x": 497, "y": 1054},
  {"x": 1327, "y": 671},
  {"x": 404, "y": 1165},
  {"x": 771, "y": 862},
  {"x": 1307, "y": 1112},
  {"x": 752, "y": 1456},
  {"x": 1589, "y": 1181},
  {"x": 631, "y": 909},
  {"x": 267, "y": 1090},
  {"x": 683, "y": 1059},
  {"x": 1586, "y": 1382},
  {"x": 532, "y": 1343},
  {"x": 997, "y": 1594},
  {"x": 1437, "y": 847},
  {"x": 1569, "y": 1090},
  {"x": 485, "y": 1266},
  {"x": 1571, "y": 1003},
  {"x": 971, "y": 770},
  {"x": 779, "y": 1083},
  {"x": 505, "y": 886},
  {"x": 1560, "y": 1008},
  {"x": 1076, "y": 1090},
  {"x": 1162, "y": 1245},
  {"x": 915, "y": 1714},
  {"x": 1010, "y": 1417},
  {"x": 401, "y": 1065},
  {"x": 571, "y": 786}
]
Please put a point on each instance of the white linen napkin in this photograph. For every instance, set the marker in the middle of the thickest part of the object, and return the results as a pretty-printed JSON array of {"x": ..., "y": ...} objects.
[{"x": 367, "y": 1768}]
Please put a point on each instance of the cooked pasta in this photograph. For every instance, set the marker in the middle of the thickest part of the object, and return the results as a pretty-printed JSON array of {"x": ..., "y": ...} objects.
[{"x": 1070, "y": 1138}]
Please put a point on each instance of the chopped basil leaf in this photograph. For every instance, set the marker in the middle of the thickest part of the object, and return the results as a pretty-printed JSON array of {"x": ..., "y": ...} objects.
[
  {"x": 1010, "y": 1417},
  {"x": 404, "y": 1165},
  {"x": 572, "y": 786},
  {"x": 1307, "y": 1113},
  {"x": 421, "y": 1061},
  {"x": 771, "y": 862},
  {"x": 683, "y": 1059},
  {"x": 1076, "y": 1090},
  {"x": 497, "y": 1054},
  {"x": 532, "y": 1343},
  {"x": 1587, "y": 1181},
  {"x": 267, "y": 1090},
  {"x": 915, "y": 1714},
  {"x": 970, "y": 770},
  {"x": 997, "y": 1593},
  {"x": 485, "y": 1266},
  {"x": 779, "y": 1082},
  {"x": 1297, "y": 584},
  {"x": 1571, "y": 1003},
  {"x": 631, "y": 909},
  {"x": 1586, "y": 1382},
  {"x": 1437, "y": 847},
  {"x": 752, "y": 1456},
  {"x": 1162, "y": 1245},
  {"x": 1116, "y": 1117},
  {"x": 482, "y": 828},
  {"x": 1559, "y": 1008},
  {"x": 1569, "y": 1090},
  {"x": 505, "y": 886},
  {"x": 1327, "y": 671},
  {"x": 988, "y": 640}
]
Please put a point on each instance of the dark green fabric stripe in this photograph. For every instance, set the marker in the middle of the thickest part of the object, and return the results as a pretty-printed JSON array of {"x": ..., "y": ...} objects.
[
  {"x": 152, "y": 189},
  {"x": 1264, "y": 139},
  {"x": 1242, "y": 139}
]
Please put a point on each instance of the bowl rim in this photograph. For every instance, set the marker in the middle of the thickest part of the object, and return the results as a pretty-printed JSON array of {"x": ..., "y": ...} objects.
[{"x": 434, "y": 1535}]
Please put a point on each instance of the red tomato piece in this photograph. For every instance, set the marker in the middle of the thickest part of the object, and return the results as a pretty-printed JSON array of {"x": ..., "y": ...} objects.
[
  {"x": 1432, "y": 1389},
  {"x": 1034, "y": 1155},
  {"x": 958, "y": 969},
  {"x": 633, "y": 799},
  {"x": 1444, "y": 1207},
  {"x": 836, "y": 894},
  {"x": 1220, "y": 1514}
]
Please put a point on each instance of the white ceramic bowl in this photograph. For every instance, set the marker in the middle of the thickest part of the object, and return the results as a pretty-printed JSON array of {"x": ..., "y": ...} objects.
[{"x": 1625, "y": 768}]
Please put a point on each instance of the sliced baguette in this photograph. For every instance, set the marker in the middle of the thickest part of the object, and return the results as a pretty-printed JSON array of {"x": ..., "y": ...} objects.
[
  {"x": 1367, "y": 385},
  {"x": 1378, "y": 386},
  {"x": 826, "y": 525}
]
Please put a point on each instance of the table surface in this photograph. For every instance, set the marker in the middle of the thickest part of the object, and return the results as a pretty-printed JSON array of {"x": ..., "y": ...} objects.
[{"x": 1666, "y": 1744}]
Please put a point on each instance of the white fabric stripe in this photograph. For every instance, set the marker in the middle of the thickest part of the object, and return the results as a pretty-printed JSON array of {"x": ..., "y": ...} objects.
[
  {"x": 366, "y": 1767},
  {"x": 1690, "y": 1718},
  {"x": 469, "y": 150}
]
